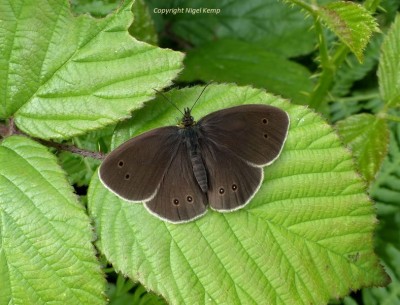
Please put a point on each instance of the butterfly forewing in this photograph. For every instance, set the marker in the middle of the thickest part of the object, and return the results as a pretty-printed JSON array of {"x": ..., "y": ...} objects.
[
  {"x": 255, "y": 133},
  {"x": 179, "y": 197},
  {"x": 135, "y": 169}
]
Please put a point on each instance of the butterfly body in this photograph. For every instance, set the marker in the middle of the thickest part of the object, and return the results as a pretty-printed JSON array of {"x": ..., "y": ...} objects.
[
  {"x": 178, "y": 170},
  {"x": 191, "y": 140}
]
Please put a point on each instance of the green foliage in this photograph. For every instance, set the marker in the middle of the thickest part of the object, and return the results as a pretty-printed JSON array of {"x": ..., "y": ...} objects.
[
  {"x": 368, "y": 138},
  {"x": 126, "y": 292},
  {"x": 352, "y": 70},
  {"x": 142, "y": 27},
  {"x": 80, "y": 169},
  {"x": 97, "y": 8},
  {"x": 46, "y": 255},
  {"x": 306, "y": 237},
  {"x": 386, "y": 192},
  {"x": 66, "y": 93},
  {"x": 256, "y": 21},
  {"x": 351, "y": 22},
  {"x": 243, "y": 60},
  {"x": 389, "y": 66}
]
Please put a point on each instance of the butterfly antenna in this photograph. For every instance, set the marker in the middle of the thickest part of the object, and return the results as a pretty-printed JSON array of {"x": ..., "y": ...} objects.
[
  {"x": 168, "y": 100},
  {"x": 201, "y": 94}
]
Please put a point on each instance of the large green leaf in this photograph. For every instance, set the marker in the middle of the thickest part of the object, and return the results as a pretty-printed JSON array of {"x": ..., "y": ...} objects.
[
  {"x": 247, "y": 64},
  {"x": 74, "y": 74},
  {"x": 368, "y": 137},
  {"x": 306, "y": 236},
  {"x": 389, "y": 66},
  {"x": 351, "y": 22},
  {"x": 46, "y": 255},
  {"x": 386, "y": 192},
  {"x": 276, "y": 26}
]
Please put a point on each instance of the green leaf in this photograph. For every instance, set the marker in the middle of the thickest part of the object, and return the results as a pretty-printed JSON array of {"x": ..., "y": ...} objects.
[
  {"x": 351, "y": 22},
  {"x": 46, "y": 255},
  {"x": 247, "y": 64},
  {"x": 79, "y": 73},
  {"x": 389, "y": 66},
  {"x": 368, "y": 137},
  {"x": 352, "y": 70},
  {"x": 143, "y": 27},
  {"x": 360, "y": 101},
  {"x": 267, "y": 253},
  {"x": 271, "y": 24},
  {"x": 386, "y": 192},
  {"x": 97, "y": 8}
]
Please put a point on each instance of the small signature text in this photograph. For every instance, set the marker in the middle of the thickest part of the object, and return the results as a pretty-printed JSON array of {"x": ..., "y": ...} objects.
[{"x": 186, "y": 10}]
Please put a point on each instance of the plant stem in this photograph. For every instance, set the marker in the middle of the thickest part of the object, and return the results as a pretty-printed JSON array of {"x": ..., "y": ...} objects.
[
  {"x": 325, "y": 81},
  {"x": 73, "y": 149},
  {"x": 304, "y": 6},
  {"x": 357, "y": 98}
]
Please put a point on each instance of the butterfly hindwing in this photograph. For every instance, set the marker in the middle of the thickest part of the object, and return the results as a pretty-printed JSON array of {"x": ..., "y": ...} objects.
[
  {"x": 179, "y": 197},
  {"x": 255, "y": 133},
  {"x": 232, "y": 181},
  {"x": 135, "y": 169}
]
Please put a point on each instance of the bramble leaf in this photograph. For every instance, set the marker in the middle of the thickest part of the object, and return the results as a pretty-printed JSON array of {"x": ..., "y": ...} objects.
[
  {"x": 368, "y": 137},
  {"x": 351, "y": 22},
  {"x": 78, "y": 73},
  {"x": 267, "y": 253},
  {"x": 386, "y": 192},
  {"x": 389, "y": 66},
  {"x": 46, "y": 254}
]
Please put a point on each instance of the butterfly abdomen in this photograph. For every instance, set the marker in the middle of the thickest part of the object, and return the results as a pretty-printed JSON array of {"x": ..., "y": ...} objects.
[{"x": 193, "y": 148}]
